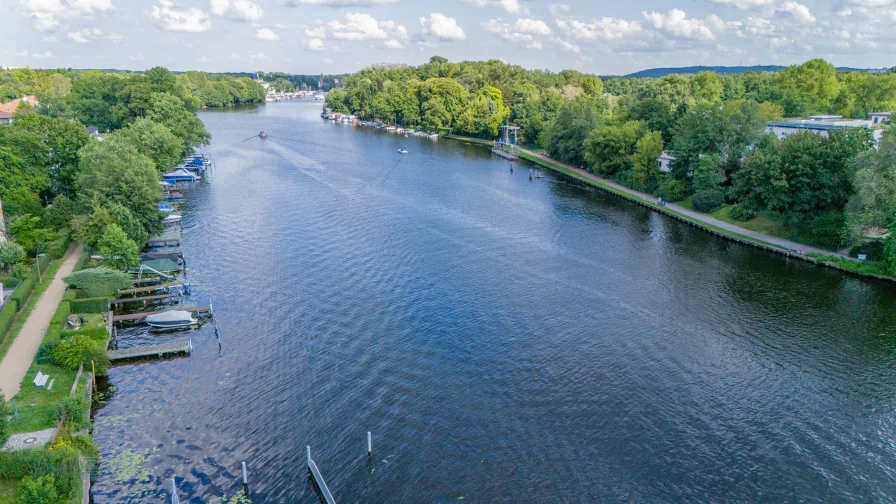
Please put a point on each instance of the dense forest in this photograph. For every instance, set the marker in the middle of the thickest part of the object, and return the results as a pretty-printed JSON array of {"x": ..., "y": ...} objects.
[
  {"x": 58, "y": 183},
  {"x": 832, "y": 192}
]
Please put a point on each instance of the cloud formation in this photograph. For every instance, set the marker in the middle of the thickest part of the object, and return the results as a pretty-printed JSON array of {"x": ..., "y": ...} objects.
[
  {"x": 241, "y": 10},
  {"x": 171, "y": 18},
  {"x": 442, "y": 27}
]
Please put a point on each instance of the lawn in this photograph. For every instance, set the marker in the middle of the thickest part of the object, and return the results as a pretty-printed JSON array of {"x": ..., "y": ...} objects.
[
  {"x": 768, "y": 223},
  {"x": 91, "y": 321},
  {"x": 37, "y": 405}
]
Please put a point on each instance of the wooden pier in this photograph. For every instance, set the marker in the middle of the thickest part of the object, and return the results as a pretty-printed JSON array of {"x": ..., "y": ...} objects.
[
  {"x": 504, "y": 154},
  {"x": 164, "y": 242},
  {"x": 143, "y": 299},
  {"x": 150, "y": 289},
  {"x": 178, "y": 347},
  {"x": 319, "y": 481},
  {"x": 139, "y": 316}
]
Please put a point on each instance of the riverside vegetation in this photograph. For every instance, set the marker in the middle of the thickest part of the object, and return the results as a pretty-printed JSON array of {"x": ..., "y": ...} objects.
[
  {"x": 837, "y": 192},
  {"x": 58, "y": 184}
]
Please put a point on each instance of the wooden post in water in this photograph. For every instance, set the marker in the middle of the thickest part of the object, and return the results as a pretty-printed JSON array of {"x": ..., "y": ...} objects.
[
  {"x": 245, "y": 480},
  {"x": 309, "y": 456},
  {"x": 369, "y": 446},
  {"x": 174, "y": 498}
]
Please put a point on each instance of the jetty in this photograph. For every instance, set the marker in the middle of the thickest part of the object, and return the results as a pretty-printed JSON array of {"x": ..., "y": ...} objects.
[
  {"x": 143, "y": 315},
  {"x": 150, "y": 289},
  {"x": 164, "y": 242},
  {"x": 325, "y": 493},
  {"x": 173, "y": 348},
  {"x": 143, "y": 299}
]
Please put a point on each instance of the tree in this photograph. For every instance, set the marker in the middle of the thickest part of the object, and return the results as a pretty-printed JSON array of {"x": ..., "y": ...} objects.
[
  {"x": 610, "y": 147},
  {"x": 117, "y": 249},
  {"x": 873, "y": 204},
  {"x": 10, "y": 253},
  {"x": 59, "y": 214},
  {"x": 810, "y": 87},
  {"x": 707, "y": 86},
  {"x": 156, "y": 142},
  {"x": 890, "y": 250},
  {"x": 30, "y": 233},
  {"x": 647, "y": 152},
  {"x": 168, "y": 110},
  {"x": 565, "y": 136},
  {"x": 112, "y": 171},
  {"x": 52, "y": 144},
  {"x": 708, "y": 194},
  {"x": 99, "y": 282}
]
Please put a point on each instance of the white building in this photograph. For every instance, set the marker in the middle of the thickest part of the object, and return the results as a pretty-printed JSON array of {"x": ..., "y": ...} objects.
[
  {"x": 665, "y": 161},
  {"x": 881, "y": 117},
  {"x": 821, "y": 125}
]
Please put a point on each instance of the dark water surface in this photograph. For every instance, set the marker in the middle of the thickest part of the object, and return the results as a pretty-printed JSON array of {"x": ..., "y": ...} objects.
[{"x": 505, "y": 340}]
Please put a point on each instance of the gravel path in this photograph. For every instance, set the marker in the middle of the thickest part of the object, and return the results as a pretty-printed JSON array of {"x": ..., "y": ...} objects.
[
  {"x": 30, "y": 439},
  {"x": 20, "y": 355}
]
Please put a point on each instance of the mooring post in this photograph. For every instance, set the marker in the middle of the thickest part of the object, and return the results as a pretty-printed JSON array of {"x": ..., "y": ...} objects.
[
  {"x": 309, "y": 456},
  {"x": 174, "y": 498},
  {"x": 245, "y": 480},
  {"x": 369, "y": 446}
]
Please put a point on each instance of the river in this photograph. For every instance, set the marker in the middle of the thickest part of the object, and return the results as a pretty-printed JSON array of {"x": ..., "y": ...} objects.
[{"x": 504, "y": 340}]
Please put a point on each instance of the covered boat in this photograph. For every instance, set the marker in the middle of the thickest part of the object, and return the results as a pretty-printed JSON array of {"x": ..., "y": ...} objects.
[
  {"x": 171, "y": 319},
  {"x": 180, "y": 175}
]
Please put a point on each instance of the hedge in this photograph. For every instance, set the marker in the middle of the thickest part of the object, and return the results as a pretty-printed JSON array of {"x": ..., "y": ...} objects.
[
  {"x": 83, "y": 261},
  {"x": 90, "y": 305},
  {"x": 9, "y": 282},
  {"x": 7, "y": 315},
  {"x": 21, "y": 294},
  {"x": 54, "y": 334}
]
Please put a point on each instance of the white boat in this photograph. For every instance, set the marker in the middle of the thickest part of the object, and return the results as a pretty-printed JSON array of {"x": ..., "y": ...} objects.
[
  {"x": 172, "y": 218},
  {"x": 172, "y": 319},
  {"x": 402, "y": 151}
]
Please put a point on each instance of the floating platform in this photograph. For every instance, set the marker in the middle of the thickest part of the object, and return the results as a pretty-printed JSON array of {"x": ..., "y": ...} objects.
[
  {"x": 139, "y": 316},
  {"x": 179, "y": 347}
]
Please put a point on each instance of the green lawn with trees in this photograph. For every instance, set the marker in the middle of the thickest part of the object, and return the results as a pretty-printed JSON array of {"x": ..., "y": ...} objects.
[{"x": 836, "y": 192}]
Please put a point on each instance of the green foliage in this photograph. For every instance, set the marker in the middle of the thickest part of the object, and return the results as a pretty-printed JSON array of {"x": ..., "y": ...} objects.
[
  {"x": 100, "y": 281},
  {"x": 117, "y": 249},
  {"x": 156, "y": 142},
  {"x": 11, "y": 253},
  {"x": 742, "y": 213},
  {"x": 90, "y": 305},
  {"x": 167, "y": 110},
  {"x": 20, "y": 270},
  {"x": 873, "y": 204},
  {"x": 24, "y": 290},
  {"x": 707, "y": 200},
  {"x": 706, "y": 176},
  {"x": 31, "y": 234},
  {"x": 890, "y": 251},
  {"x": 671, "y": 189},
  {"x": 40, "y": 490},
  {"x": 74, "y": 410},
  {"x": 566, "y": 135},
  {"x": 7, "y": 315},
  {"x": 74, "y": 351},
  {"x": 4, "y": 419},
  {"x": 610, "y": 147},
  {"x": 646, "y": 157}
]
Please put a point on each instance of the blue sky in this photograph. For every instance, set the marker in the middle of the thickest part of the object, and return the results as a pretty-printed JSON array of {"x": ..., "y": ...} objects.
[{"x": 329, "y": 36}]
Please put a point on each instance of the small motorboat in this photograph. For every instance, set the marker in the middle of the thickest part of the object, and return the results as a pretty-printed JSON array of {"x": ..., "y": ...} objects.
[
  {"x": 171, "y": 319},
  {"x": 166, "y": 208},
  {"x": 262, "y": 134},
  {"x": 402, "y": 151},
  {"x": 172, "y": 218},
  {"x": 180, "y": 175},
  {"x": 172, "y": 196}
]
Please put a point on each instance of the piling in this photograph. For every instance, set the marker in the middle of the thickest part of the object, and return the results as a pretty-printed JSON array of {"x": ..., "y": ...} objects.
[
  {"x": 245, "y": 480},
  {"x": 174, "y": 498}
]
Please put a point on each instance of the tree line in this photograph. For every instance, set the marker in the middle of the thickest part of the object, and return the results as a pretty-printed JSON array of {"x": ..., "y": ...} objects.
[
  {"x": 57, "y": 182},
  {"x": 833, "y": 191}
]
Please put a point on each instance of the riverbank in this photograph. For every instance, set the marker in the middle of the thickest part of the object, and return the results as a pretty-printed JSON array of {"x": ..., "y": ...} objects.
[{"x": 771, "y": 243}]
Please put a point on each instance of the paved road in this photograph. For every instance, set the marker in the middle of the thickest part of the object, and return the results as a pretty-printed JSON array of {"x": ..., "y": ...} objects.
[
  {"x": 696, "y": 216},
  {"x": 20, "y": 355}
]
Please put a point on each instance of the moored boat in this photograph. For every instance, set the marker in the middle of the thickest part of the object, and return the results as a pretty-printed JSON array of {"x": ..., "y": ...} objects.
[{"x": 171, "y": 319}]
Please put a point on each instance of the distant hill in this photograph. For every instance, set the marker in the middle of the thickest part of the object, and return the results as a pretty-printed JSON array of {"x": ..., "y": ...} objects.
[{"x": 662, "y": 72}]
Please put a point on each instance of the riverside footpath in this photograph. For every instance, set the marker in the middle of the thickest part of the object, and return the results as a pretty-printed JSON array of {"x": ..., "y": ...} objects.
[{"x": 22, "y": 351}]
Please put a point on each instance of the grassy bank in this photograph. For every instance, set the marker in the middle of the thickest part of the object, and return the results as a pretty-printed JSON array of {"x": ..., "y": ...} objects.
[{"x": 22, "y": 315}]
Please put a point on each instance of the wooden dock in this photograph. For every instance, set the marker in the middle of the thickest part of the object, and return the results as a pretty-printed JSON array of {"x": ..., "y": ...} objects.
[
  {"x": 150, "y": 289},
  {"x": 143, "y": 315},
  {"x": 319, "y": 481},
  {"x": 143, "y": 299},
  {"x": 504, "y": 154},
  {"x": 178, "y": 347},
  {"x": 164, "y": 242}
]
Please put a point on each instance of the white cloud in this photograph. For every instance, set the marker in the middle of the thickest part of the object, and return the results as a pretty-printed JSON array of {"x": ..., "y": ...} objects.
[
  {"x": 523, "y": 31},
  {"x": 846, "y": 12},
  {"x": 442, "y": 27},
  {"x": 47, "y": 13},
  {"x": 87, "y": 34},
  {"x": 393, "y": 44},
  {"x": 511, "y": 6},
  {"x": 357, "y": 26},
  {"x": 314, "y": 44},
  {"x": 799, "y": 11},
  {"x": 42, "y": 55},
  {"x": 676, "y": 24},
  {"x": 266, "y": 34},
  {"x": 242, "y": 10},
  {"x": 341, "y": 3},
  {"x": 171, "y": 18},
  {"x": 50, "y": 38},
  {"x": 754, "y": 25},
  {"x": 745, "y": 4},
  {"x": 605, "y": 28},
  {"x": 558, "y": 9},
  {"x": 566, "y": 46}
]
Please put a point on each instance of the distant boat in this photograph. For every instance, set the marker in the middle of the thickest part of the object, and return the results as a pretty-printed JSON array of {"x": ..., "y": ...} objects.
[
  {"x": 172, "y": 218},
  {"x": 172, "y": 196},
  {"x": 165, "y": 208},
  {"x": 402, "y": 151},
  {"x": 262, "y": 134},
  {"x": 172, "y": 319},
  {"x": 180, "y": 176}
]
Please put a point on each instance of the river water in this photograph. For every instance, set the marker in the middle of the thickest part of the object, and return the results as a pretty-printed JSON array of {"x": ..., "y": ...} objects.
[{"x": 505, "y": 340}]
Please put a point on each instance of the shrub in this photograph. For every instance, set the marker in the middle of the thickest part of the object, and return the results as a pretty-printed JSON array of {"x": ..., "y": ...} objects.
[
  {"x": 41, "y": 490},
  {"x": 708, "y": 200},
  {"x": 741, "y": 213},
  {"x": 20, "y": 271},
  {"x": 72, "y": 352},
  {"x": 7, "y": 314},
  {"x": 60, "y": 318},
  {"x": 73, "y": 410},
  {"x": 99, "y": 282},
  {"x": 671, "y": 189},
  {"x": 11, "y": 253},
  {"x": 83, "y": 261},
  {"x": 61, "y": 463},
  {"x": 91, "y": 305},
  {"x": 4, "y": 420},
  {"x": 825, "y": 231},
  {"x": 890, "y": 251},
  {"x": 57, "y": 248},
  {"x": 23, "y": 291}
]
